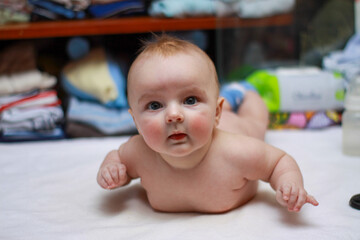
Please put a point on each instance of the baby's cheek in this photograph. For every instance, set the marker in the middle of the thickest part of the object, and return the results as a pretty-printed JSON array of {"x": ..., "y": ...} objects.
[
  {"x": 201, "y": 125},
  {"x": 152, "y": 132}
]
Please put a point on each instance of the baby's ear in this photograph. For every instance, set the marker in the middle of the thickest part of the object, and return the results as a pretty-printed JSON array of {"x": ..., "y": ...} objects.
[{"x": 219, "y": 106}]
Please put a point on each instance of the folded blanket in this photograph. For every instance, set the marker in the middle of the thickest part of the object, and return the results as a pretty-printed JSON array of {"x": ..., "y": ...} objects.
[
  {"x": 346, "y": 61},
  {"x": 14, "y": 11},
  {"x": 262, "y": 8},
  {"x": 41, "y": 99},
  {"x": 241, "y": 8},
  {"x": 117, "y": 8},
  {"x": 173, "y": 8},
  {"x": 31, "y": 119},
  {"x": 20, "y": 136},
  {"x": 76, "y": 5},
  {"x": 109, "y": 121},
  {"x": 58, "y": 9},
  {"x": 25, "y": 81},
  {"x": 16, "y": 97},
  {"x": 96, "y": 77}
]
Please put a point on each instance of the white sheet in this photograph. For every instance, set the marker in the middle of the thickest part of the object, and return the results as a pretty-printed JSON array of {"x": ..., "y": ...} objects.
[{"x": 48, "y": 190}]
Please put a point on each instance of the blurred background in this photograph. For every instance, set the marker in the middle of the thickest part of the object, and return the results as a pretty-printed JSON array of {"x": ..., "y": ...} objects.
[{"x": 63, "y": 63}]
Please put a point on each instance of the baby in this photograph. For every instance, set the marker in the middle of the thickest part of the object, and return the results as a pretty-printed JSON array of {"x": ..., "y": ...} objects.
[{"x": 193, "y": 153}]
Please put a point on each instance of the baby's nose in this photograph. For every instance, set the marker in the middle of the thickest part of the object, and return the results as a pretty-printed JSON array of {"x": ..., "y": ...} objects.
[{"x": 174, "y": 115}]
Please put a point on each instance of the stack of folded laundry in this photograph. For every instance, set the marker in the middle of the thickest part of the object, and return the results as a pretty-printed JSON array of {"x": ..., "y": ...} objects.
[
  {"x": 14, "y": 11},
  {"x": 221, "y": 8},
  {"x": 346, "y": 61},
  {"x": 59, "y": 9},
  {"x": 29, "y": 106},
  {"x": 80, "y": 9},
  {"x": 114, "y": 8},
  {"x": 97, "y": 104}
]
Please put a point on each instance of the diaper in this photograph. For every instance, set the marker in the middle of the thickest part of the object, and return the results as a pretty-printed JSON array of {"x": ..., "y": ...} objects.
[{"x": 234, "y": 93}]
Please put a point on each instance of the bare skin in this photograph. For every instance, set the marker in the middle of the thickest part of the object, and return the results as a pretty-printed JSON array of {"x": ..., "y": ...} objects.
[{"x": 193, "y": 154}]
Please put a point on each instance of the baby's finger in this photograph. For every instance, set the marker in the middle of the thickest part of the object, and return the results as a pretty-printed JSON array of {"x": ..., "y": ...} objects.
[
  {"x": 300, "y": 201},
  {"x": 280, "y": 199},
  {"x": 310, "y": 199},
  {"x": 286, "y": 191},
  {"x": 293, "y": 198},
  {"x": 108, "y": 179},
  {"x": 102, "y": 183},
  {"x": 114, "y": 173}
]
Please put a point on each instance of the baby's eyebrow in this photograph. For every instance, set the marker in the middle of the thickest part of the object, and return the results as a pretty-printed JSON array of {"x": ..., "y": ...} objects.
[
  {"x": 195, "y": 91},
  {"x": 147, "y": 96},
  {"x": 155, "y": 94}
]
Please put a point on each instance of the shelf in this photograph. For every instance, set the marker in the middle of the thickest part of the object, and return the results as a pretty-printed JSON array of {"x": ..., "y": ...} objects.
[{"x": 130, "y": 25}]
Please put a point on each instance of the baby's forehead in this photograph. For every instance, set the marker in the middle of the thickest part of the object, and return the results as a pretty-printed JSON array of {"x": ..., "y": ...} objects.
[{"x": 155, "y": 57}]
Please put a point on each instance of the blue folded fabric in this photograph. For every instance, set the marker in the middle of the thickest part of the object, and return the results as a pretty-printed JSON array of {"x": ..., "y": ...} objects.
[
  {"x": 172, "y": 8},
  {"x": 23, "y": 135},
  {"x": 107, "y": 120},
  {"x": 58, "y": 9},
  {"x": 110, "y": 9}
]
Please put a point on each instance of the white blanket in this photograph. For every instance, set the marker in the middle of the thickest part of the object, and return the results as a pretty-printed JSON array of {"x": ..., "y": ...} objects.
[{"x": 48, "y": 190}]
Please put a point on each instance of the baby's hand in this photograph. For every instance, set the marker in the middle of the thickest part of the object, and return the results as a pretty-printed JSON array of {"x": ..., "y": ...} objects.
[
  {"x": 112, "y": 175},
  {"x": 294, "y": 197}
]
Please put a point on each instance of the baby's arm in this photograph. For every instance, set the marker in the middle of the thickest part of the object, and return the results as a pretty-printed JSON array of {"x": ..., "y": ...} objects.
[
  {"x": 273, "y": 165},
  {"x": 112, "y": 172},
  {"x": 287, "y": 181}
]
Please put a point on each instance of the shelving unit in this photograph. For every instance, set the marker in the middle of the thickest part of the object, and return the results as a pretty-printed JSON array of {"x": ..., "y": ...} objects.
[
  {"x": 50, "y": 38},
  {"x": 131, "y": 25}
]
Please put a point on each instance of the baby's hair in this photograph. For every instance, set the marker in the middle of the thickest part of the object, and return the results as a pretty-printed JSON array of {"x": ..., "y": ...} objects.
[{"x": 166, "y": 45}]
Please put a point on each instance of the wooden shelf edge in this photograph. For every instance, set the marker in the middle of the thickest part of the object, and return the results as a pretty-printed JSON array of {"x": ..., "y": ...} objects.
[{"x": 131, "y": 25}]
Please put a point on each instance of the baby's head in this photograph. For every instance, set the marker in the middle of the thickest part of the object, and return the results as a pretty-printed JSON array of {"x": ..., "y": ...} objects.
[
  {"x": 166, "y": 46},
  {"x": 173, "y": 94}
]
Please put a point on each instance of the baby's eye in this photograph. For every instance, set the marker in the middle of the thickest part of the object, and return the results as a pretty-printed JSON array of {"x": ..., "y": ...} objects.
[
  {"x": 154, "y": 106},
  {"x": 190, "y": 100}
]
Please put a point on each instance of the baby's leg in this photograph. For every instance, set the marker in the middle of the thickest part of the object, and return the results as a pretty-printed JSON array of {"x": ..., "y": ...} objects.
[{"x": 251, "y": 118}]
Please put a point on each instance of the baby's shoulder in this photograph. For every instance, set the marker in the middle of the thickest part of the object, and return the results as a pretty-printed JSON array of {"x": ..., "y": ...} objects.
[
  {"x": 237, "y": 146},
  {"x": 235, "y": 141},
  {"x": 135, "y": 147}
]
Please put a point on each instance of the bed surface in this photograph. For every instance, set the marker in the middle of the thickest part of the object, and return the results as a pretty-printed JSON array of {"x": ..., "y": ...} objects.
[{"x": 48, "y": 190}]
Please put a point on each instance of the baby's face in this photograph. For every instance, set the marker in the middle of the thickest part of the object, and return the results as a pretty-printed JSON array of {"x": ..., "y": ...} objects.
[{"x": 174, "y": 102}]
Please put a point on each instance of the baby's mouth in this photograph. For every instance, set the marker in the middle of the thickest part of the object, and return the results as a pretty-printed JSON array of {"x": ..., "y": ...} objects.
[{"x": 177, "y": 136}]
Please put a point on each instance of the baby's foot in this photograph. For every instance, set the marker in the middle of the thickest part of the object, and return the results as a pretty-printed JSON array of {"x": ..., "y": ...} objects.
[{"x": 234, "y": 93}]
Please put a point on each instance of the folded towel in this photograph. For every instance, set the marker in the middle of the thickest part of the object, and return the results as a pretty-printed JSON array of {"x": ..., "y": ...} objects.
[
  {"x": 96, "y": 77},
  {"x": 46, "y": 98},
  {"x": 346, "y": 61},
  {"x": 262, "y": 8},
  {"x": 116, "y": 8},
  {"x": 58, "y": 9},
  {"x": 109, "y": 121},
  {"x": 25, "y": 81},
  {"x": 172, "y": 8},
  {"x": 31, "y": 119},
  {"x": 20, "y": 136}
]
